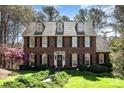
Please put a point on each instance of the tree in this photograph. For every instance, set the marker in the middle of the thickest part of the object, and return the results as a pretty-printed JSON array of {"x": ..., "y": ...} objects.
[
  {"x": 117, "y": 44},
  {"x": 41, "y": 16},
  {"x": 65, "y": 18},
  {"x": 82, "y": 15},
  {"x": 51, "y": 13},
  {"x": 97, "y": 17}
]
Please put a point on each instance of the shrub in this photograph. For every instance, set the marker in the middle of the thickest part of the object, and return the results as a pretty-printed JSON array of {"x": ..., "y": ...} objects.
[
  {"x": 28, "y": 81},
  {"x": 98, "y": 68},
  {"x": 109, "y": 65},
  {"x": 60, "y": 78},
  {"x": 41, "y": 75},
  {"x": 83, "y": 68},
  {"x": 13, "y": 84}
]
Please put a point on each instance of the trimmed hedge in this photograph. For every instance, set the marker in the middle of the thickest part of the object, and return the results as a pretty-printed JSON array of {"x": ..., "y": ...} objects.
[
  {"x": 83, "y": 67},
  {"x": 13, "y": 84},
  {"x": 98, "y": 68},
  {"x": 60, "y": 78},
  {"x": 109, "y": 65}
]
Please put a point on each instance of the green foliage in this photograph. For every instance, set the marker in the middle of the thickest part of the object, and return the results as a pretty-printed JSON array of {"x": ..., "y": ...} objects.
[
  {"x": 108, "y": 65},
  {"x": 13, "y": 84},
  {"x": 60, "y": 78},
  {"x": 98, "y": 69},
  {"x": 83, "y": 67},
  {"x": 41, "y": 75}
]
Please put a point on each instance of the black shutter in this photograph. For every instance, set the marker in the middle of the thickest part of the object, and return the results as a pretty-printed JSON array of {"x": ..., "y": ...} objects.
[
  {"x": 90, "y": 59},
  {"x": 28, "y": 42},
  {"x": 83, "y": 41},
  {"x": 78, "y": 60},
  {"x": 55, "y": 41},
  {"x": 48, "y": 42},
  {"x": 35, "y": 60},
  {"x": 97, "y": 57},
  {"x": 41, "y": 42},
  {"x": 63, "y": 43},
  {"x": 70, "y": 41},
  {"x": 40, "y": 60},
  {"x": 71, "y": 60},
  {"x": 83, "y": 59},
  {"x": 35, "y": 40},
  {"x": 90, "y": 41},
  {"x": 78, "y": 41}
]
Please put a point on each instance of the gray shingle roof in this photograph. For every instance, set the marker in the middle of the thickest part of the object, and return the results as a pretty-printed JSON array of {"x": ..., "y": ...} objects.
[
  {"x": 102, "y": 45},
  {"x": 69, "y": 29}
]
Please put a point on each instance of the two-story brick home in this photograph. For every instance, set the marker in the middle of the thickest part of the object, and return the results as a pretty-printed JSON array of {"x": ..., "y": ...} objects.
[{"x": 64, "y": 44}]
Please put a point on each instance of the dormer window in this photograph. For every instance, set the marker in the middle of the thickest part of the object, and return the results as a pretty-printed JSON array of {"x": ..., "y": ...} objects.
[
  {"x": 80, "y": 27},
  {"x": 39, "y": 27},
  {"x": 59, "y": 27}
]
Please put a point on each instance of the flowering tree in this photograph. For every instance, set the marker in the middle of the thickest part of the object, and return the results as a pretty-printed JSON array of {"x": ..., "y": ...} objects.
[{"x": 11, "y": 54}]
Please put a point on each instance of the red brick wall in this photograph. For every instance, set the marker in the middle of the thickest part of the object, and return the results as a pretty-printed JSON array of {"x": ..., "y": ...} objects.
[{"x": 81, "y": 50}]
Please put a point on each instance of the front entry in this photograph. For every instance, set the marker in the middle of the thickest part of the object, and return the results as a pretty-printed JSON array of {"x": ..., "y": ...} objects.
[{"x": 59, "y": 60}]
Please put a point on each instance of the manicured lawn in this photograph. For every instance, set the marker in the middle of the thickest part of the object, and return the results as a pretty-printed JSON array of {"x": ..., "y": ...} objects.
[
  {"x": 90, "y": 81},
  {"x": 12, "y": 78}
]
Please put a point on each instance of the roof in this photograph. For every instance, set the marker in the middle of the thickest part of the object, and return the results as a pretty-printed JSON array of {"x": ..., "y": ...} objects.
[
  {"x": 102, "y": 45},
  {"x": 50, "y": 29}
]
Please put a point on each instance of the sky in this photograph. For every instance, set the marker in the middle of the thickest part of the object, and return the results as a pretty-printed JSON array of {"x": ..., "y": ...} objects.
[{"x": 72, "y": 10}]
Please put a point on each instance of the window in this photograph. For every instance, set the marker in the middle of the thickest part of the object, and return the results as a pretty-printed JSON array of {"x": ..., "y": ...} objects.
[
  {"x": 39, "y": 27},
  {"x": 59, "y": 27},
  {"x": 32, "y": 41},
  {"x": 32, "y": 59},
  {"x": 74, "y": 41},
  {"x": 44, "y": 59},
  {"x": 87, "y": 59},
  {"x": 44, "y": 41},
  {"x": 80, "y": 27},
  {"x": 74, "y": 60},
  {"x": 101, "y": 58},
  {"x": 59, "y": 41},
  {"x": 87, "y": 41}
]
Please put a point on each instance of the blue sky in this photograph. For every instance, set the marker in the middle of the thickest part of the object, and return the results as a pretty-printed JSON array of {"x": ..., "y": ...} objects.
[{"x": 72, "y": 10}]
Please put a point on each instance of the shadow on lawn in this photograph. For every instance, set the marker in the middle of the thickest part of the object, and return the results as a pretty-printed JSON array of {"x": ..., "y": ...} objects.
[{"x": 87, "y": 76}]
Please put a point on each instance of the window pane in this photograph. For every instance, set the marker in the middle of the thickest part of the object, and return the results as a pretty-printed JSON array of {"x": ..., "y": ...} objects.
[
  {"x": 74, "y": 41},
  {"x": 44, "y": 41},
  {"x": 32, "y": 59},
  {"x": 32, "y": 41},
  {"x": 101, "y": 58},
  {"x": 39, "y": 27},
  {"x": 74, "y": 60},
  {"x": 87, "y": 59},
  {"x": 44, "y": 58},
  {"x": 80, "y": 27},
  {"x": 59, "y": 41},
  {"x": 87, "y": 41},
  {"x": 59, "y": 27}
]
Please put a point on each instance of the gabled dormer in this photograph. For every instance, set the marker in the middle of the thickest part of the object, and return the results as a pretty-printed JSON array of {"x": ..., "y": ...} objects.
[
  {"x": 59, "y": 27},
  {"x": 39, "y": 27},
  {"x": 79, "y": 27}
]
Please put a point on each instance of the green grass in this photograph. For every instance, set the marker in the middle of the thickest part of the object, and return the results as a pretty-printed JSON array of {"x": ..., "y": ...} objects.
[
  {"x": 12, "y": 78},
  {"x": 92, "y": 81}
]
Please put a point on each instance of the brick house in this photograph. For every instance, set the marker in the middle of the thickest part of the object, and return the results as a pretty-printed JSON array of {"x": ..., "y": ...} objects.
[{"x": 64, "y": 44}]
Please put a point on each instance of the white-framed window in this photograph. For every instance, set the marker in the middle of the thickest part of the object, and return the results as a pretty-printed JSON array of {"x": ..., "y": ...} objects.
[
  {"x": 59, "y": 41},
  {"x": 59, "y": 27},
  {"x": 44, "y": 41},
  {"x": 39, "y": 27},
  {"x": 74, "y": 41},
  {"x": 32, "y": 41},
  {"x": 87, "y": 59},
  {"x": 32, "y": 59},
  {"x": 80, "y": 27},
  {"x": 74, "y": 60},
  {"x": 87, "y": 41},
  {"x": 44, "y": 59},
  {"x": 101, "y": 58}
]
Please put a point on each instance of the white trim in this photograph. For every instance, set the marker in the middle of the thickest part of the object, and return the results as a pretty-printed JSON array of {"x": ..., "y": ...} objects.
[
  {"x": 59, "y": 41},
  {"x": 101, "y": 61},
  {"x": 74, "y": 42},
  {"x": 44, "y": 42},
  {"x": 87, "y": 41},
  {"x": 74, "y": 59},
  {"x": 32, "y": 59},
  {"x": 44, "y": 59},
  {"x": 87, "y": 55}
]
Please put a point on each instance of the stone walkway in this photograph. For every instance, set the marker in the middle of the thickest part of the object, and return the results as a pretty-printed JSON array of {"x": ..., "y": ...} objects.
[{"x": 4, "y": 73}]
